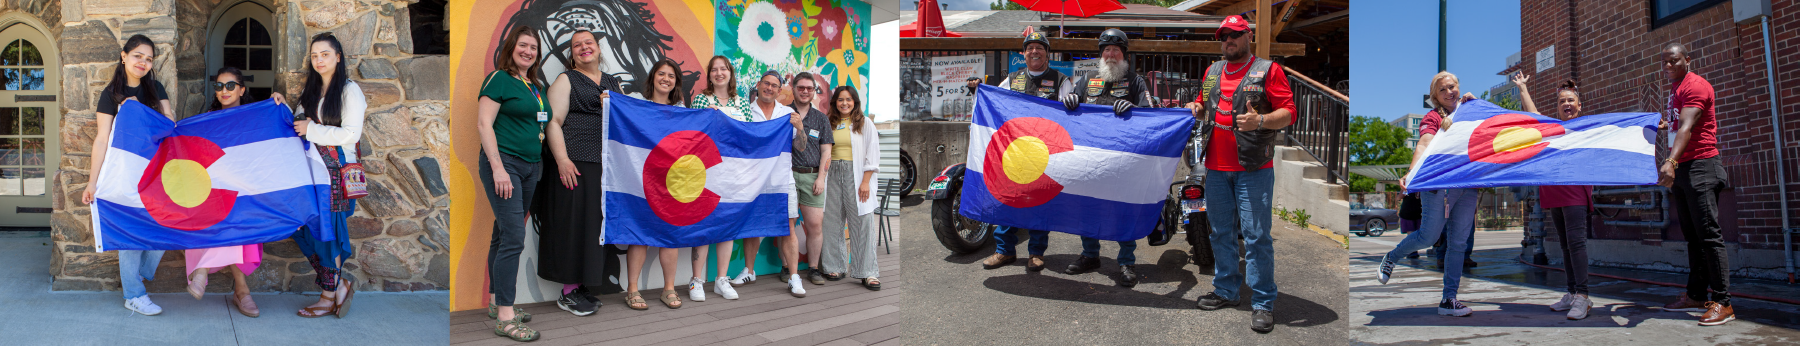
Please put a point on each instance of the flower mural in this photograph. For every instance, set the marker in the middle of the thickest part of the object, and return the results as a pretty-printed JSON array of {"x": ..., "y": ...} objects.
[{"x": 825, "y": 37}]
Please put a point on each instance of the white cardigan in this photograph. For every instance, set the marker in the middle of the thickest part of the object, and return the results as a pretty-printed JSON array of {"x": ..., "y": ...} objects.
[
  {"x": 351, "y": 116},
  {"x": 865, "y": 152}
]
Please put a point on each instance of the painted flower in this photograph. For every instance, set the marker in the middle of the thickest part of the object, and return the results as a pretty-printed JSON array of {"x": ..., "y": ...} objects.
[
  {"x": 760, "y": 34},
  {"x": 828, "y": 27},
  {"x": 848, "y": 64},
  {"x": 796, "y": 25}
]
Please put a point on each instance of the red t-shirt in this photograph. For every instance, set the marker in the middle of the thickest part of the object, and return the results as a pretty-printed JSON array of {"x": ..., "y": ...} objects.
[
  {"x": 1563, "y": 196},
  {"x": 1694, "y": 91},
  {"x": 1222, "y": 153},
  {"x": 1429, "y": 124}
]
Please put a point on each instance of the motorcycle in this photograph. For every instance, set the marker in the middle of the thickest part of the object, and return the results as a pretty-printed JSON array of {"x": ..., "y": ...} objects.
[{"x": 958, "y": 233}]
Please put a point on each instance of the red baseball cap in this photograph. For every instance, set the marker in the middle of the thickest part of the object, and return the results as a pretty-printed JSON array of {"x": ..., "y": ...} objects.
[{"x": 1233, "y": 22}]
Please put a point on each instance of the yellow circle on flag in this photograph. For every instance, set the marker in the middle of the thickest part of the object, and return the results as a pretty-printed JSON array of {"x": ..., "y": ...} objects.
[
  {"x": 1515, "y": 138},
  {"x": 186, "y": 182},
  {"x": 1025, "y": 159},
  {"x": 686, "y": 179}
]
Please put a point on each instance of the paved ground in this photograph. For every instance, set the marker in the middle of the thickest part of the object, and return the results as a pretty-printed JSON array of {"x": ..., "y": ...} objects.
[
  {"x": 952, "y": 301},
  {"x": 1511, "y": 304},
  {"x": 837, "y": 313},
  {"x": 34, "y": 315}
]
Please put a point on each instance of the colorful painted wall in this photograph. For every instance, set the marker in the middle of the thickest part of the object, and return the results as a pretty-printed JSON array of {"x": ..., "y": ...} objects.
[{"x": 829, "y": 38}]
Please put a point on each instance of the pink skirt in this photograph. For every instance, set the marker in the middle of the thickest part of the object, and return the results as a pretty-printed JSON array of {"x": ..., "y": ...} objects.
[{"x": 245, "y": 257}]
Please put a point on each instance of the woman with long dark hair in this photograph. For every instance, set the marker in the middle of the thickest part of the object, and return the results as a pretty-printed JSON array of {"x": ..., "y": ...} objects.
[
  {"x": 333, "y": 106},
  {"x": 132, "y": 80},
  {"x": 509, "y": 120},
  {"x": 664, "y": 81},
  {"x": 855, "y": 157},
  {"x": 570, "y": 217},
  {"x": 239, "y": 260}
]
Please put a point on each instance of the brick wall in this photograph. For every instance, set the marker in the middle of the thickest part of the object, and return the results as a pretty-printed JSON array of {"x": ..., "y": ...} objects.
[{"x": 1610, "y": 48}]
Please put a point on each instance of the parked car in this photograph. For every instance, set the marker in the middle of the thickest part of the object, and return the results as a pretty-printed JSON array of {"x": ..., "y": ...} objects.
[{"x": 1371, "y": 222}]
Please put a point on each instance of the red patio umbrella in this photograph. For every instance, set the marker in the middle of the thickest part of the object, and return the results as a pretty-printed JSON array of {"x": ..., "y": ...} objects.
[
  {"x": 930, "y": 23},
  {"x": 1078, "y": 8}
]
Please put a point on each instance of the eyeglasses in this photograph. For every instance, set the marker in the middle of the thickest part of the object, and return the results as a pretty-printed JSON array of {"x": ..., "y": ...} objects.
[
  {"x": 768, "y": 84},
  {"x": 226, "y": 86},
  {"x": 804, "y": 88},
  {"x": 1233, "y": 35}
]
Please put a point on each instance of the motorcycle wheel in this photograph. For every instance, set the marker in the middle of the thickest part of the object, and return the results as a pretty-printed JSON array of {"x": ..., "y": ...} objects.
[
  {"x": 1199, "y": 233},
  {"x": 908, "y": 174},
  {"x": 959, "y": 234}
]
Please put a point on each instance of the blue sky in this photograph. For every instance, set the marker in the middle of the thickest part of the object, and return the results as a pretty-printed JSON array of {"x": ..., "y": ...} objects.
[{"x": 1393, "y": 50}]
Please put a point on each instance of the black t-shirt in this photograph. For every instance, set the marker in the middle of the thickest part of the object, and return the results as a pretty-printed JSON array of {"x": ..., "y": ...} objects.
[{"x": 107, "y": 105}]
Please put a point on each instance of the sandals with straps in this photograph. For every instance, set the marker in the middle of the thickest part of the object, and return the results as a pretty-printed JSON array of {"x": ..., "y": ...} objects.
[
  {"x": 517, "y": 332},
  {"x": 873, "y": 283},
  {"x": 518, "y": 313},
  {"x": 671, "y": 300},
  {"x": 635, "y": 301}
]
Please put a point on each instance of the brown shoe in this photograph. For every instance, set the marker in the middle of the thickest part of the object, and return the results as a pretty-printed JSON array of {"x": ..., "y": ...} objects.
[
  {"x": 1685, "y": 305},
  {"x": 1716, "y": 314},
  {"x": 1036, "y": 263},
  {"x": 998, "y": 260}
]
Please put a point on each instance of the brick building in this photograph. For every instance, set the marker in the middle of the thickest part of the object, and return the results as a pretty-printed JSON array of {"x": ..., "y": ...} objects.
[{"x": 1612, "y": 48}]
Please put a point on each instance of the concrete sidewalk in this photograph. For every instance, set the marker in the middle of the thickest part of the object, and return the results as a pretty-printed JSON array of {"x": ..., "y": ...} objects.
[
  {"x": 1511, "y": 304},
  {"x": 36, "y": 316}
]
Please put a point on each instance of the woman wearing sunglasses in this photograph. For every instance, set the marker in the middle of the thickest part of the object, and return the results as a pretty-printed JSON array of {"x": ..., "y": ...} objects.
[{"x": 240, "y": 260}]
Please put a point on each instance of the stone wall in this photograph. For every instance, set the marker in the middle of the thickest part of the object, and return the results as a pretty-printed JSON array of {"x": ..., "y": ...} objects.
[{"x": 400, "y": 231}]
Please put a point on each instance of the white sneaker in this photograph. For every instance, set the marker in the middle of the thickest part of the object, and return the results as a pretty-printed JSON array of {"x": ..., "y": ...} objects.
[
  {"x": 1563, "y": 305},
  {"x": 794, "y": 286},
  {"x": 696, "y": 290},
  {"x": 1579, "y": 306},
  {"x": 722, "y": 286},
  {"x": 744, "y": 278},
  {"x": 143, "y": 305}
]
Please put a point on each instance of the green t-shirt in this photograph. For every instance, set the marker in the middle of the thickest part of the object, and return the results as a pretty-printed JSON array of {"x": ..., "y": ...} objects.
[{"x": 516, "y": 127}]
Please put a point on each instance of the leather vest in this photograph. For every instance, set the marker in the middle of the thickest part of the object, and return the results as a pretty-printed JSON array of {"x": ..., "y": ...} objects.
[
  {"x": 1044, "y": 85},
  {"x": 1129, "y": 88},
  {"x": 1255, "y": 147}
]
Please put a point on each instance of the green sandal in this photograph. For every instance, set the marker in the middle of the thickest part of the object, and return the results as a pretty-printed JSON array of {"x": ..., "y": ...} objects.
[
  {"x": 518, "y": 313},
  {"x": 519, "y": 332}
]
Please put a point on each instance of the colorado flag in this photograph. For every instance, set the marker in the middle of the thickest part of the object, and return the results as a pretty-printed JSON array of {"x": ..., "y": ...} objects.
[
  {"x": 232, "y": 177},
  {"x": 1486, "y": 146},
  {"x": 678, "y": 177},
  {"x": 1034, "y": 165}
]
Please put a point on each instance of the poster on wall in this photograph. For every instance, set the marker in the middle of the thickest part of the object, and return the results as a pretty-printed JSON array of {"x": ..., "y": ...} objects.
[
  {"x": 951, "y": 98},
  {"x": 915, "y": 88},
  {"x": 1086, "y": 69}
]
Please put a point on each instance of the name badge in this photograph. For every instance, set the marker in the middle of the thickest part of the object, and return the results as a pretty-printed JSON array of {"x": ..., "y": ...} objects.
[
  {"x": 543, "y": 117},
  {"x": 812, "y": 133}
]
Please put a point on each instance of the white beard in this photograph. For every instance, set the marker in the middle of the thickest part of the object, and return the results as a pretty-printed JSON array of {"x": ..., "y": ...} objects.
[{"x": 1113, "y": 70}]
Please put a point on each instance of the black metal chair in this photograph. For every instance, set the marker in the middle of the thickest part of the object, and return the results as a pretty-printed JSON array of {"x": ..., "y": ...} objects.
[{"x": 885, "y": 236}]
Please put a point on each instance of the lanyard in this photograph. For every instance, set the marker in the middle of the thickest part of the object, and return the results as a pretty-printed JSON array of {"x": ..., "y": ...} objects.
[{"x": 534, "y": 95}]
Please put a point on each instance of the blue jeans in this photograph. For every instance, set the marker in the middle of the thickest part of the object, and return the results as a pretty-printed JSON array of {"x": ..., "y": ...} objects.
[
  {"x": 135, "y": 267},
  {"x": 1006, "y": 240},
  {"x": 1090, "y": 247},
  {"x": 1238, "y": 204},
  {"x": 1460, "y": 227}
]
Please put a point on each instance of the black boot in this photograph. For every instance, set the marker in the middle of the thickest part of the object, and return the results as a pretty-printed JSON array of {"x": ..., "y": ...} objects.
[{"x": 1082, "y": 265}]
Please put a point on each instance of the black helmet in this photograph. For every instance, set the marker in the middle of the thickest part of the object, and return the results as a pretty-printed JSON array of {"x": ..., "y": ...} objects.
[
  {"x": 1036, "y": 37},
  {"x": 1112, "y": 37}
]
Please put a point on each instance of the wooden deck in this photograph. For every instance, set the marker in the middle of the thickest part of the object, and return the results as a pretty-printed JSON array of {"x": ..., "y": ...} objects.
[{"x": 837, "y": 313}]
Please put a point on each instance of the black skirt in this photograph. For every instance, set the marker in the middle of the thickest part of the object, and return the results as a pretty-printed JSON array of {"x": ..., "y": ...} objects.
[{"x": 569, "y": 224}]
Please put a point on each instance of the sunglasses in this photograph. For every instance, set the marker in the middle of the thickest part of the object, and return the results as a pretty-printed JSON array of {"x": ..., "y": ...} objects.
[
  {"x": 803, "y": 88},
  {"x": 226, "y": 86},
  {"x": 1233, "y": 35}
]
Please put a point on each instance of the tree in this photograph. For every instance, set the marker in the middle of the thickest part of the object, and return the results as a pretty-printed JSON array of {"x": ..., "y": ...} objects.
[{"x": 1375, "y": 142}]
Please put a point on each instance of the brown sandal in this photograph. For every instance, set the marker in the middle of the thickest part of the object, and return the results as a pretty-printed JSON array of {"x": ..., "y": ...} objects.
[
  {"x": 635, "y": 301},
  {"x": 343, "y": 308},
  {"x": 671, "y": 300},
  {"x": 319, "y": 311}
]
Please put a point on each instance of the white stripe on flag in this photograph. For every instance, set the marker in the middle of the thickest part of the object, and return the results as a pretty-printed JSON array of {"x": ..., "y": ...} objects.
[
  {"x": 735, "y": 180},
  {"x": 121, "y": 165},
  {"x": 1628, "y": 139},
  {"x": 249, "y": 169},
  {"x": 1094, "y": 172}
]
